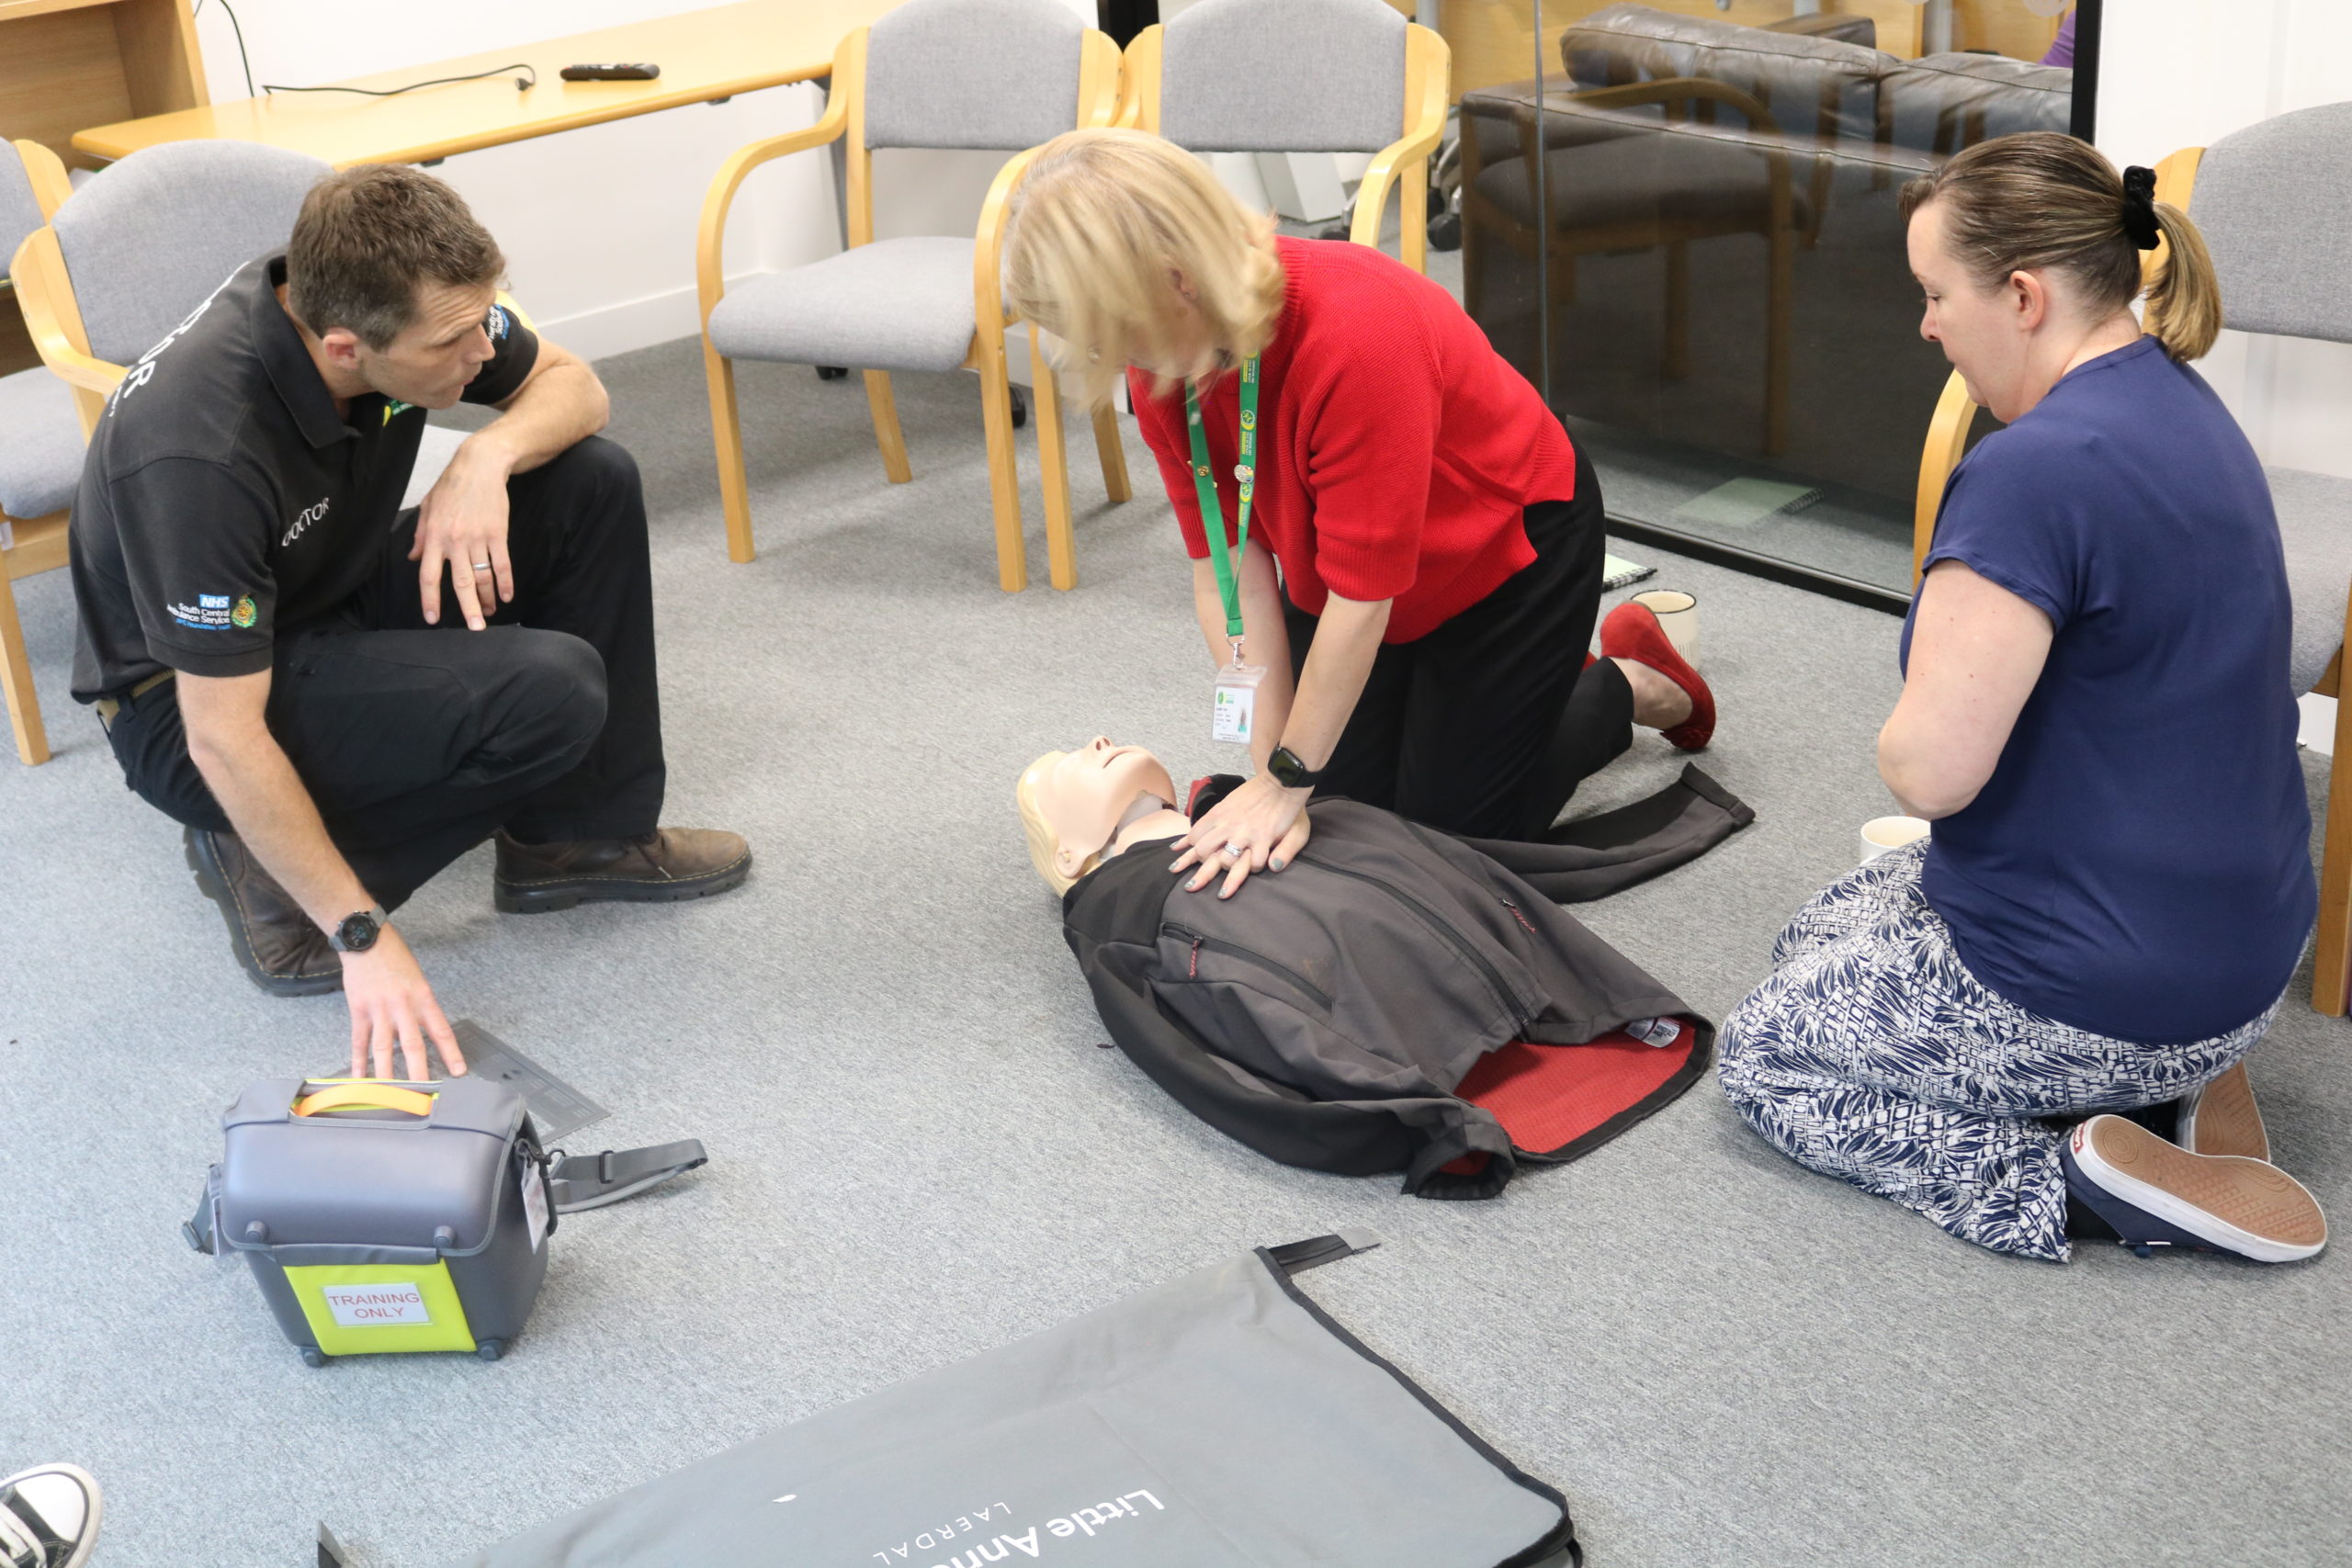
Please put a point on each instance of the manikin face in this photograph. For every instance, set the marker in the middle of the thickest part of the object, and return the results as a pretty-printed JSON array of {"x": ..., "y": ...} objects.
[
  {"x": 437, "y": 354},
  {"x": 1986, "y": 333},
  {"x": 1083, "y": 794}
]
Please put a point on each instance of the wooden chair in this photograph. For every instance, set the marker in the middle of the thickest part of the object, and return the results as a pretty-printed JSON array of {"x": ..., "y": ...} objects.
[
  {"x": 973, "y": 74},
  {"x": 2268, "y": 201},
  {"x": 41, "y": 450},
  {"x": 1302, "y": 76}
]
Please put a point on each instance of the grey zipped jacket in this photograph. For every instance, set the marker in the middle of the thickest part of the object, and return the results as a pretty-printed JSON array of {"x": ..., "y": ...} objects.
[{"x": 1325, "y": 1015}]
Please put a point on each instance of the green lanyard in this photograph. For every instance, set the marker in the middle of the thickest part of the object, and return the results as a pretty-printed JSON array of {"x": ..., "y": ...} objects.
[{"x": 1228, "y": 571}]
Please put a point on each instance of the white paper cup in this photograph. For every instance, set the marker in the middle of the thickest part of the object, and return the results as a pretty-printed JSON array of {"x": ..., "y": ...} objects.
[
  {"x": 1677, "y": 616},
  {"x": 1880, "y": 834}
]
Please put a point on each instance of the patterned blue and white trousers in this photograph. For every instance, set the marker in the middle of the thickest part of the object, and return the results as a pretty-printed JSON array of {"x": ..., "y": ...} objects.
[{"x": 1871, "y": 1053}]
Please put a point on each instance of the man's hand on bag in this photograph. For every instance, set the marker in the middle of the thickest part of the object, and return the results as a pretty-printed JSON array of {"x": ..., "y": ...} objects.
[
  {"x": 462, "y": 522},
  {"x": 392, "y": 1006}
]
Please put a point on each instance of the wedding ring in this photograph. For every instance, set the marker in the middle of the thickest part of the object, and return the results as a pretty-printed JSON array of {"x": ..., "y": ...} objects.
[
  {"x": 481, "y": 566},
  {"x": 1237, "y": 851}
]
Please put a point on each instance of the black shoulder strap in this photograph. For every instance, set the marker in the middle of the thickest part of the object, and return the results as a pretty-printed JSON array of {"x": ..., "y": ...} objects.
[
  {"x": 591, "y": 1181},
  {"x": 1298, "y": 1256}
]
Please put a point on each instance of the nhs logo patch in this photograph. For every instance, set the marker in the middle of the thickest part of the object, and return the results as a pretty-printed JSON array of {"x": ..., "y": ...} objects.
[{"x": 213, "y": 601}]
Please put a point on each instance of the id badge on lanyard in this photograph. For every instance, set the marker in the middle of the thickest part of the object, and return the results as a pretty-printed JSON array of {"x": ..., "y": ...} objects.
[{"x": 1234, "y": 711}]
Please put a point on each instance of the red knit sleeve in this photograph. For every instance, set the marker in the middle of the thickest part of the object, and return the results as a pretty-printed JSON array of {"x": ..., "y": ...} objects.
[
  {"x": 1172, "y": 446},
  {"x": 1372, "y": 443}
]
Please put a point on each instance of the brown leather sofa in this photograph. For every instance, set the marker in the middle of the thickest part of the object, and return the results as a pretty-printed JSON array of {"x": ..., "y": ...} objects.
[{"x": 1718, "y": 216}]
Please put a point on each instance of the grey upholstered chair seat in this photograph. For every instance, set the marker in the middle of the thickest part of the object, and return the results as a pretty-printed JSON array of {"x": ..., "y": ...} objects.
[
  {"x": 2316, "y": 523},
  {"x": 892, "y": 305},
  {"x": 40, "y": 445},
  {"x": 1648, "y": 178}
]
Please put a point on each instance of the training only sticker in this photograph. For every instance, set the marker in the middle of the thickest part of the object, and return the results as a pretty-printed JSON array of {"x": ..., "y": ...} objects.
[{"x": 376, "y": 1306}]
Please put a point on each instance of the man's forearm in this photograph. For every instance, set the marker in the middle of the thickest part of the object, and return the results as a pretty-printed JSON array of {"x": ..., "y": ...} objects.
[
  {"x": 559, "y": 410},
  {"x": 273, "y": 813}
]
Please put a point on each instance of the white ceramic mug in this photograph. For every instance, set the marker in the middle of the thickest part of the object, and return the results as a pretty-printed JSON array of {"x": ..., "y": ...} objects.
[
  {"x": 1677, "y": 616},
  {"x": 1880, "y": 834}
]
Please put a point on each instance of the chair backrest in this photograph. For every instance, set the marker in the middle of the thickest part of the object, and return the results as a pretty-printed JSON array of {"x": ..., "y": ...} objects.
[
  {"x": 1283, "y": 76},
  {"x": 153, "y": 236},
  {"x": 21, "y": 212},
  {"x": 2271, "y": 202},
  {"x": 992, "y": 75}
]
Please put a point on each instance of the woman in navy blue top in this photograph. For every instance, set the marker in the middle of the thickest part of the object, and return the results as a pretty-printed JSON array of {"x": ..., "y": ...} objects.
[{"x": 2097, "y": 716}]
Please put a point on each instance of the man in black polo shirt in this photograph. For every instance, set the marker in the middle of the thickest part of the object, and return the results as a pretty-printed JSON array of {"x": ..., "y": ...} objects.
[{"x": 267, "y": 635}]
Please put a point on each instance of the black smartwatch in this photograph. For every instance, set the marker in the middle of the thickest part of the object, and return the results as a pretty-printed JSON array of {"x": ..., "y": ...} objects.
[
  {"x": 358, "y": 933},
  {"x": 1289, "y": 771}
]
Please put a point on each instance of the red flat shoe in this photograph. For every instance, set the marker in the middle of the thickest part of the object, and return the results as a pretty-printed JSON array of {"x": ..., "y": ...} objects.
[{"x": 1631, "y": 631}]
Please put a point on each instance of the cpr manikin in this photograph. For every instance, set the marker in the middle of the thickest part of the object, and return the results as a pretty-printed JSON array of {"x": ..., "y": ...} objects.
[{"x": 1358, "y": 1010}]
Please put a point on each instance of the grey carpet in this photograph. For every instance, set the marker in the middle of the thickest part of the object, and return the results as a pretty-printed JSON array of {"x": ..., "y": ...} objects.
[{"x": 918, "y": 1152}]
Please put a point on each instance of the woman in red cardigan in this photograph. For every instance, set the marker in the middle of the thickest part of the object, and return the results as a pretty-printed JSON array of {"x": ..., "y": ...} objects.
[{"x": 1440, "y": 541}]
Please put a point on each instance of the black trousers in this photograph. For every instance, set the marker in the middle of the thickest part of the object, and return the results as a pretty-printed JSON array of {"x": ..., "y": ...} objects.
[
  {"x": 1486, "y": 726},
  {"x": 418, "y": 743}
]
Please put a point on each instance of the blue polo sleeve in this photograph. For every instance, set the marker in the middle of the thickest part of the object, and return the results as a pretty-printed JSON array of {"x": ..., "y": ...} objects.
[{"x": 2015, "y": 514}]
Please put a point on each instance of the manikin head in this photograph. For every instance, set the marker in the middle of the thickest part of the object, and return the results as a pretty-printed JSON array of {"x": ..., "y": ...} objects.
[
  {"x": 1073, "y": 804},
  {"x": 393, "y": 281}
]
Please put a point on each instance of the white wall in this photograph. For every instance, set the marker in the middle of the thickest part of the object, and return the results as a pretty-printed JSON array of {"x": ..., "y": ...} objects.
[
  {"x": 598, "y": 224},
  {"x": 2177, "y": 73}
]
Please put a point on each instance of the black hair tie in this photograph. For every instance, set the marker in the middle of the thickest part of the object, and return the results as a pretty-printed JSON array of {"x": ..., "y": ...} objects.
[{"x": 2139, "y": 208}]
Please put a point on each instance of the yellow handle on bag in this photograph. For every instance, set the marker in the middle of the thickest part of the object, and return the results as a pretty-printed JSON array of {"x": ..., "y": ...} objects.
[{"x": 365, "y": 1095}]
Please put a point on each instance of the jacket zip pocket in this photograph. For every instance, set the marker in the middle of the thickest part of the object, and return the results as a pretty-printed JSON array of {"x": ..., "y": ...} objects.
[
  {"x": 1522, "y": 919},
  {"x": 1233, "y": 950},
  {"x": 1452, "y": 937}
]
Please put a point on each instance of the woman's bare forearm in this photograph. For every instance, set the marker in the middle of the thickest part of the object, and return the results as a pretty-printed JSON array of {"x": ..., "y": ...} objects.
[{"x": 1347, "y": 639}]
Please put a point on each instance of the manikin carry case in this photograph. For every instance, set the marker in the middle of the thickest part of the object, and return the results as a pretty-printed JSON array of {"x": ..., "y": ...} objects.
[
  {"x": 1222, "y": 1420},
  {"x": 379, "y": 1216}
]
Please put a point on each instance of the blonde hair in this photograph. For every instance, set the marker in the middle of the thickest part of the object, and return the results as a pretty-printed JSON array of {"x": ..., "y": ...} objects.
[
  {"x": 2042, "y": 200},
  {"x": 1044, "y": 844},
  {"x": 1098, "y": 222}
]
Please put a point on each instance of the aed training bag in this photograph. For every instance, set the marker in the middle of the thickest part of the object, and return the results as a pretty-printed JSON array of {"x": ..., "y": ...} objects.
[
  {"x": 379, "y": 1216},
  {"x": 1221, "y": 1420}
]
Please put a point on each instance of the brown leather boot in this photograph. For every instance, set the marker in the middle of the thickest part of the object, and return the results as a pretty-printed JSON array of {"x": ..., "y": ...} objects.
[
  {"x": 656, "y": 868},
  {"x": 282, "y": 950}
]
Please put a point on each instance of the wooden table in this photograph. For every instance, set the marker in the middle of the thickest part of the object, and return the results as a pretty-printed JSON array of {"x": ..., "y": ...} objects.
[{"x": 704, "y": 55}]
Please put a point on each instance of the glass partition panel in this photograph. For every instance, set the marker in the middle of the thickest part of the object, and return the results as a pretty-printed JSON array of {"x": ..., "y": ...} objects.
[{"x": 1680, "y": 220}]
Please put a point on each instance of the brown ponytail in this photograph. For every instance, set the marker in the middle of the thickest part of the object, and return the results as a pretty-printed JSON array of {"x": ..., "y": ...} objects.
[
  {"x": 2185, "y": 300},
  {"x": 2042, "y": 202}
]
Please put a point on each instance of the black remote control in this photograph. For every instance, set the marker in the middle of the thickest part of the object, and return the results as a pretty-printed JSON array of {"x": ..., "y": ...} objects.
[{"x": 610, "y": 72}]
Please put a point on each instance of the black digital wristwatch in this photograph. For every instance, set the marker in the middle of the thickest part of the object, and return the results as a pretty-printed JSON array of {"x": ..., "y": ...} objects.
[{"x": 1289, "y": 771}]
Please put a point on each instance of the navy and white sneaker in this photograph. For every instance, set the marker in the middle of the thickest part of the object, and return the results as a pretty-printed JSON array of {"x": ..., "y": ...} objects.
[
  {"x": 2221, "y": 1118},
  {"x": 49, "y": 1516},
  {"x": 2158, "y": 1194}
]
